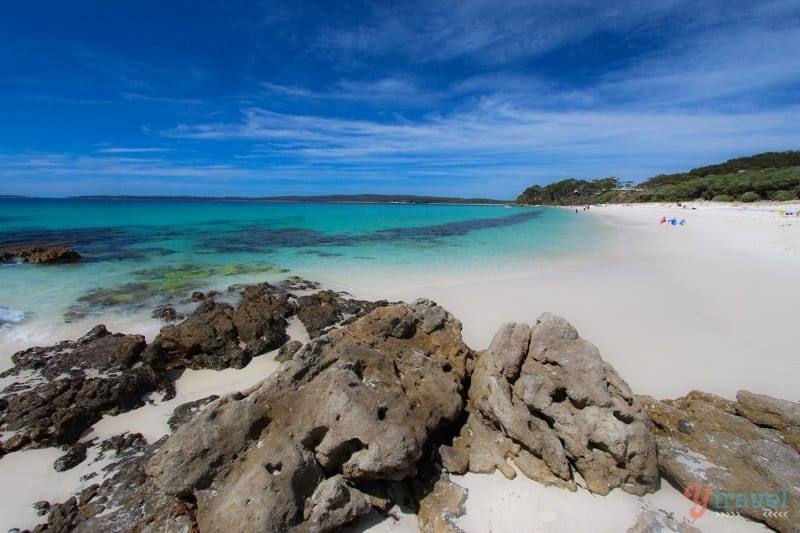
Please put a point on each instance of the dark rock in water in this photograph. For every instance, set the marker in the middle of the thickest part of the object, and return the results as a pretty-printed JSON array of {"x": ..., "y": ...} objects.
[
  {"x": 187, "y": 412},
  {"x": 40, "y": 255},
  {"x": 65, "y": 388},
  {"x": 295, "y": 283},
  {"x": 545, "y": 398},
  {"x": 49, "y": 256},
  {"x": 357, "y": 402},
  {"x": 726, "y": 458},
  {"x": 167, "y": 313},
  {"x": 74, "y": 456},
  {"x": 288, "y": 350}
]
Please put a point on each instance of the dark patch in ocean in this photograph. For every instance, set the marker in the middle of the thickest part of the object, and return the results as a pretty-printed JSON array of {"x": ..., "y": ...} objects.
[{"x": 259, "y": 239}]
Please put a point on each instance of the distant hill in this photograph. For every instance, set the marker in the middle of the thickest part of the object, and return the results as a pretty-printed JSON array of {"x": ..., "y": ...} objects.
[
  {"x": 333, "y": 198},
  {"x": 767, "y": 176}
]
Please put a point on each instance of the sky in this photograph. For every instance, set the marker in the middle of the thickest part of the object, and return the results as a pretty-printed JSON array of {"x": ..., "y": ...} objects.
[{"x": 470, "y": 98}]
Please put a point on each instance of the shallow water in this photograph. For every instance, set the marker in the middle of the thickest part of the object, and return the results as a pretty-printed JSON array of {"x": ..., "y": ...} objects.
[{"x": 141, "y": 253}]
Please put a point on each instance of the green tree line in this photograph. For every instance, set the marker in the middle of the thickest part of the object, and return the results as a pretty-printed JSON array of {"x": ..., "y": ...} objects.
[{"x": 768, "y": 176}]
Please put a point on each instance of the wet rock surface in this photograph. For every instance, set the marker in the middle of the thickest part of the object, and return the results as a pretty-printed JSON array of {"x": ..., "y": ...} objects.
[
  {"x": 543, "y": 397},
  {"x": 728, "y": 463}
]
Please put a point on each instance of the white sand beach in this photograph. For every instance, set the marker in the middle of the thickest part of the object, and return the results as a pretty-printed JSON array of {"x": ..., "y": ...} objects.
[{"x": 709, "y": 305}]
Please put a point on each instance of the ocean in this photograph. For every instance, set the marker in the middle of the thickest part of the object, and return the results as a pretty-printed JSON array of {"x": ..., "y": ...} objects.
[{"x": 141, "y": 253}]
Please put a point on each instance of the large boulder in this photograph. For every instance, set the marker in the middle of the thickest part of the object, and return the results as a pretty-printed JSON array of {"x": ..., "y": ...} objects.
[
  {"x": 724, "y": 461},
  {"x": 544, "y": 397},
  {"x": 62, "y": 390},
  {"x": 363, "y": 402}
]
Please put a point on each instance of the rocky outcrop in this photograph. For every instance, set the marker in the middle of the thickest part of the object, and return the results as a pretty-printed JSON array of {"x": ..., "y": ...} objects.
[
  {"x": 39, "y": 255},
  {"x": 126, "y": 501},
  {"x": 765, "y": 411},
  {"x": 219, "y": 336},
  {"x": 543, "y": 397},
  {"x": 320, "y": 312},
  {"x": 724, "y": 461},
  {"x": 63, "y": 389},
  {"x": 363, "y": 402}
]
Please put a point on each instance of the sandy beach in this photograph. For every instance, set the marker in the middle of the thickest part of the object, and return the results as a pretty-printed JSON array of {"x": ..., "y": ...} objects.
[{"x": 709, "y": 305}]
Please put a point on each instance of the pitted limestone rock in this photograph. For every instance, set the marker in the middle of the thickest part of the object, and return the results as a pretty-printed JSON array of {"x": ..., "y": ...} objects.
[{"x": 561, "y": 404}]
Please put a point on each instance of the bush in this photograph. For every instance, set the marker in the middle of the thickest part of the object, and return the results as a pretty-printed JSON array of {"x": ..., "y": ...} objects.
[
  {"x": 782, "y": 196},
  {"x": 749, "y": 196},
  {"x": 723, "y": 198}
]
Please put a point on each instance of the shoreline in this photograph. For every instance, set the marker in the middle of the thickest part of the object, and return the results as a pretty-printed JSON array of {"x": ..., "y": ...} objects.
[
  {"x": 700, "y": 339},
  {"x": 707, "y": 306}
]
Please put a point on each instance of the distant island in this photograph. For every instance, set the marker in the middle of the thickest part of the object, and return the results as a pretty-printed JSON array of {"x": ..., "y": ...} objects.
[
  {"x": 769, "y": 176},
  {"x": 330, "y": 198}
]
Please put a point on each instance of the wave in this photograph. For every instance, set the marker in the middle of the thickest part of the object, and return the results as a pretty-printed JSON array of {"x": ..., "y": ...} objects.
[{"x": 9, "y": 316}]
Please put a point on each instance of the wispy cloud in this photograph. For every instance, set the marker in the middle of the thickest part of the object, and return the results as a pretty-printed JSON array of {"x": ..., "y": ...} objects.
[{"x": 124, "y": 150}]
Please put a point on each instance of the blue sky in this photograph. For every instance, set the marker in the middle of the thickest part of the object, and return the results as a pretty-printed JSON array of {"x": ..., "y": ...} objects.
[{"x": 454, "y": 97}]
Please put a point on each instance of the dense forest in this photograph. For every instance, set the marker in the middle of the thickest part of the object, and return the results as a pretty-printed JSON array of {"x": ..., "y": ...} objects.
[{"x": 768, "y": 176}]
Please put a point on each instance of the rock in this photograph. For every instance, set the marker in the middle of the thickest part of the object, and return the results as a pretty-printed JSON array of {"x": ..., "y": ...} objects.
[
  {"x": 288, "y": 350},
  {"x": 42, "y": 507},
  {"x": 441, "y": 505},
  {"x": 65, "y": 388},
  {"x": 167, "y": 313},
  {"x": 260, "y": 318},
  {"x": 557, "y": 406},
  {"x": 334, "y": 504},
  {"x": 188, "y": 411},
  {"x": 207, "y": 339},
  {"x": 454, "y": 460},
  {"x": 219, "y": 336},
  {"x": 652, "y": 520},
  {"x": 727, "y": 463},
  {"x": 126, "y": 501},
  {"x": 295, "y": 283},
  {"x": 48, "y": 256},
  {"x": 781, "y": 415},
  {"x": 357, "y": 402},
  {"x": 320, "y": 312},
  {"x": 74, "y": 456}
]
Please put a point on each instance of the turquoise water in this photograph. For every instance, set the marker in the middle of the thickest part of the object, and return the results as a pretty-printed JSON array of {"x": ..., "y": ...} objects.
[{"x": 141, "y": 253}]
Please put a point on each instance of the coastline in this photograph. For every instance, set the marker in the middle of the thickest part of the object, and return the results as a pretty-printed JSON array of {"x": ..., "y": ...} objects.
[
  {"x": 709, "y": 305},
  {"x": 705, "y": 333}
]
